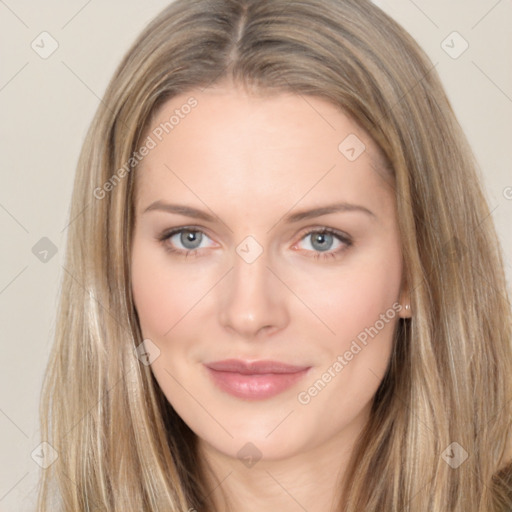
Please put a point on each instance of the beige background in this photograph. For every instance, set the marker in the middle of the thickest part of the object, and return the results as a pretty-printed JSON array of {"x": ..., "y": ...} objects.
[{"x": 47, "y": 104}]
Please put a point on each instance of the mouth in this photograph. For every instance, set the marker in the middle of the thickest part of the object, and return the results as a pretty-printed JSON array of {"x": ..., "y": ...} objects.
[{"x": 254, "y": 380}]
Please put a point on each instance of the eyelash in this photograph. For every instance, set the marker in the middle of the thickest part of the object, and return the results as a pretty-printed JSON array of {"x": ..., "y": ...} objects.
[{"x": 318, "y": 255}]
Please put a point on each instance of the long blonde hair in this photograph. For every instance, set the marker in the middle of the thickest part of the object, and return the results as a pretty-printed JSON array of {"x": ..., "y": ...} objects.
[{"x": 120, "y": 445}]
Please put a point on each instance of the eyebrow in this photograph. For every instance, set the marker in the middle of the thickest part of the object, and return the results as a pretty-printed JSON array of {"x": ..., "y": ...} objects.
[
  {"x": 188, "y": 211},
  {"x": 325, "y": 210},
  {"x": 180, "y": 209}
]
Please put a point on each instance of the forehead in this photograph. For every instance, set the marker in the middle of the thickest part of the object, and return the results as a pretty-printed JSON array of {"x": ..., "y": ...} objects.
[{"x": 272, "y": 149}]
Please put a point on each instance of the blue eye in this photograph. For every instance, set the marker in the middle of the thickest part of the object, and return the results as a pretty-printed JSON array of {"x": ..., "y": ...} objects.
[
  {"x": 189, "y": 238},
  {"x": 323, "y": 243},
  {"x": 326, "y": 242}
]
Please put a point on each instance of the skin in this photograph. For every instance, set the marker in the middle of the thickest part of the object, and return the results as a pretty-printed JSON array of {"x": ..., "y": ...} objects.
[{"x": 250, "y": 161}]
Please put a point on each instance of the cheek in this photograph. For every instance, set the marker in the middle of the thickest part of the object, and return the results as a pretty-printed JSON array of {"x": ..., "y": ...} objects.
[
  {"x": 360, "y": 306},
  {"x": 354, "y": 298},
  {"x": 364, "y": 319},
  {"x": 162, "y": 295},
  {"x": 367, "y": 296}
]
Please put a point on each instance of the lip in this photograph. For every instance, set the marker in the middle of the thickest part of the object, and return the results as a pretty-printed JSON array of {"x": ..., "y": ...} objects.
[{"x": 254, "y": 380}]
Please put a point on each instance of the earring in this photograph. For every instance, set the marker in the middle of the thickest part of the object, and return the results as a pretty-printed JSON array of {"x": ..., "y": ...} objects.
[{"x": 407, "y": 307}]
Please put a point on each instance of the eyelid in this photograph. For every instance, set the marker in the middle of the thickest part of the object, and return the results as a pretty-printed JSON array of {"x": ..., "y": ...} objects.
[
  {"x": 179, "y": 229},
  {"x": 342, "y": 235}
]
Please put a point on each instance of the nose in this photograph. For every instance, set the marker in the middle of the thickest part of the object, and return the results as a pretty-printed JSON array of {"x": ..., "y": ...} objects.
[{"x": 252, "y": 301}]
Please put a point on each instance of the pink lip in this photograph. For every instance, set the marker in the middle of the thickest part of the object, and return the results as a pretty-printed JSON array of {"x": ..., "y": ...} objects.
[{"x": 254, "y": 380}]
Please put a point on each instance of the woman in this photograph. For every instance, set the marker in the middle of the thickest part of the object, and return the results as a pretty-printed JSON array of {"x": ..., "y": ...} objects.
[{"x": 283, "y": 288}]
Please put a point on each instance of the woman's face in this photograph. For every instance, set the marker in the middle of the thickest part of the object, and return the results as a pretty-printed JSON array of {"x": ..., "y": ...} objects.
[{"x": 288, "y": 255}]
